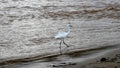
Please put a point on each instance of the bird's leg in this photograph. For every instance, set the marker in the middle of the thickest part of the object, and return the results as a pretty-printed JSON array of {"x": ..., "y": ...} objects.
[
  {"x": 60, "y": 47},
  {"x": 65, "y": 43}
]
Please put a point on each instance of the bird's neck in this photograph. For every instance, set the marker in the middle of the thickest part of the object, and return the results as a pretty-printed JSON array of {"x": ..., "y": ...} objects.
[{"x": 68, "y": 28}]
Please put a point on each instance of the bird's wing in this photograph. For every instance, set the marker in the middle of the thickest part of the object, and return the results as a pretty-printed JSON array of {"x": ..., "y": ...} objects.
[{"x": 61, "y": 35}]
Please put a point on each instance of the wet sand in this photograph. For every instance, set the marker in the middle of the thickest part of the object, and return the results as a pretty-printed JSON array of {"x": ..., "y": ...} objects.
[{"x": 102, "y": 57}]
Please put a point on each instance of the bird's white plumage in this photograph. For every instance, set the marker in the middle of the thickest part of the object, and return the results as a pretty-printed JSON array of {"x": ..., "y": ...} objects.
[{"x": 61, "y": 35}]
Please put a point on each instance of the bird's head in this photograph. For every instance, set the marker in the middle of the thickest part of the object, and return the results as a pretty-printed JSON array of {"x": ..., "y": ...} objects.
[{"x": 69, "y": 24}]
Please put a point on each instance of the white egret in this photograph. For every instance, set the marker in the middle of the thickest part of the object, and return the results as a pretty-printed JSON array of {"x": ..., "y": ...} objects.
[{"x": 62, "y": 35}]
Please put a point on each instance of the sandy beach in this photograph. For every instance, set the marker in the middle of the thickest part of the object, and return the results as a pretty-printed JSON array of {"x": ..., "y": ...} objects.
[{"x": 28, "y": 27}]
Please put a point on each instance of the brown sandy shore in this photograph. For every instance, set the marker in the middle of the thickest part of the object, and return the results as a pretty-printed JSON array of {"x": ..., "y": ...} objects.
[
  {"x": 28, "y": 27},
  {"x": 102, "y": 57},
  {"x": 110, "y": 59}
]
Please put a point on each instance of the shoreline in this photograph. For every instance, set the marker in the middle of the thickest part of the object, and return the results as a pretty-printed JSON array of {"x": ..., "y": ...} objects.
[{"x": 77, "y": 62}]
